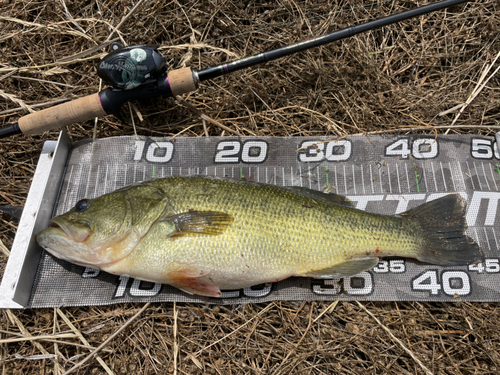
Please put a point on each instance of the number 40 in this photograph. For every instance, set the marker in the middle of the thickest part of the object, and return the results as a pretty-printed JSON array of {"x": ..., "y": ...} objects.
[{"x": 421, "y": 148}]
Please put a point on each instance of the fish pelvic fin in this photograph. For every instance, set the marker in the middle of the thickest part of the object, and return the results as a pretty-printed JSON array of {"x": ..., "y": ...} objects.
[
  {"x": 443, "y": 225},
  {"x": 199, "y": 223},
  {"x": 193, "y": 280},
  {"x": 345, "y": 269}
]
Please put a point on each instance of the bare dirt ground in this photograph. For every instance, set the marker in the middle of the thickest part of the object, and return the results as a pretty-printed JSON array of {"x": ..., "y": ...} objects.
[{"x": 397, "y": 79}]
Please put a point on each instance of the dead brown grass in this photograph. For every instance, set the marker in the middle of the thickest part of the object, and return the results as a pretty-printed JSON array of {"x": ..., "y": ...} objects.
[{"x": 395, "y": 79}]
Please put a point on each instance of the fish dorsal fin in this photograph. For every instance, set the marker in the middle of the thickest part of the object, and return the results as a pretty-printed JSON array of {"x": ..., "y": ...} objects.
[
  {"x": 331, "y": 198},
  {"x": 345, "y": 269},
  {"x": 199, "y": 223}
]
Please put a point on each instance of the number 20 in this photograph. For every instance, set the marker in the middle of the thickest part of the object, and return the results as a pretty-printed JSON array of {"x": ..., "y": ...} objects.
[{"x": 233, "y": 152}]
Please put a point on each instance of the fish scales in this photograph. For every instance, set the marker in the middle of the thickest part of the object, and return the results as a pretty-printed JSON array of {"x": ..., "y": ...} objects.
[
  {"x": 275, "y": 232},
  {"x": 203, "y": 235}
]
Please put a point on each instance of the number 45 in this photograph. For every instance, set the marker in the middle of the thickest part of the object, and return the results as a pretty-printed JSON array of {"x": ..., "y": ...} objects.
[{"x": 489, "y": 266}]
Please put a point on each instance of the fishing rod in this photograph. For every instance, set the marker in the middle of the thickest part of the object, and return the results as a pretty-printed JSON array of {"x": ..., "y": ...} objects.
[{"x": 138, "y": 72}]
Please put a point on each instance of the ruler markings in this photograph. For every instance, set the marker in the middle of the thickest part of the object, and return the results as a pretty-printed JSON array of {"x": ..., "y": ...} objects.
[
  {"x": 116, "y": 177},
  {"x": 399, "y": 179},
  {"x": 407, "y": 177},
  {"x": 317, "y": 172},
  {"x": 491, "y": 244},
  {"x": 363, "y": 180},
  {"x": 452, "y": 178},
  {"x": 380, "y": 179},
  {"x": 106, "y": 179},
  {"x": 336, "y": 182},
  {"x": 96, "y": 180},
  {"x": 416, "y": 177},
  {"x": 88, "y": 181},
  {"x": 434, "y": 176},
  {"x": 477, "y": 237},
  {"x": 425, "y": 178},
  {"x": 79, "y": 180},
  {"x": 65, "y": 200},
  {"x": 125, "y": 179},
  {"x": 487, "y": 239},
  {"x": 389, "y": 178},
  {"x": 345, "y": 181},
  {"x": 371, "y": 179},
  {"x": 470, "y": 176},
  {"x": 493, "y": 177},
  {"x": 353, "y": 180},
  {"x": 477, "y": 174},
  {"x": 461, "y": 174},
  {"x": 444, "y": 179},
  {"x": 495, "y": 238},
  {"x": 485, "y": 178}
]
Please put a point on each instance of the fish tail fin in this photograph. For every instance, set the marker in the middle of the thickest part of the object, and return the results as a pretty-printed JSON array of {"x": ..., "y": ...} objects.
[{"x": 443, "y": 225}]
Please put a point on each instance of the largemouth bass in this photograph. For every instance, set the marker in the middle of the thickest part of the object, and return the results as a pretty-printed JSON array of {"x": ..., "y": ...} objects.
[{"x": 203, "y": 235}]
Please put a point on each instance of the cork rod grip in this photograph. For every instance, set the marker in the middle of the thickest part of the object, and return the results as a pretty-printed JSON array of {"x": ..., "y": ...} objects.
[
  {"x": 181, "y": 81},
  {"x": 78, "y": 110}
]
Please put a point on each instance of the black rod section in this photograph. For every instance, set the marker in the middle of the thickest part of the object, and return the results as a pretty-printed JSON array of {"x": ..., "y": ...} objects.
[
  {"x": 7, "y": 131},
  {"x": 229, "y": 67}
]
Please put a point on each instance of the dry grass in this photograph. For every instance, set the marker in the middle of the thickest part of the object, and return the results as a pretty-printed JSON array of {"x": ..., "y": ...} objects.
[{"x": 396, "y": 79}]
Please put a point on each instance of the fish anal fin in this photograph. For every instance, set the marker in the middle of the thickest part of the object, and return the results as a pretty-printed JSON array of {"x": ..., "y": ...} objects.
[
  {"x": 199, "y": 223},
  {"x": 194, "y": 281},
  {"x": 345, "y": 269}
]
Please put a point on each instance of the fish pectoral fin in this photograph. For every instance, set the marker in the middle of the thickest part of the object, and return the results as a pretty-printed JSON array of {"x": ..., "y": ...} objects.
[
  {"x": 199, "y": 223},
  {"x": 348, "y": 268},
  {"x": 194, "y": 281}
]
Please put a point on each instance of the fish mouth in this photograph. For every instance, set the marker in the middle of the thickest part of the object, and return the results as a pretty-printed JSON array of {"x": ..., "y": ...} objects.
[{"x": 77, "y": 231}]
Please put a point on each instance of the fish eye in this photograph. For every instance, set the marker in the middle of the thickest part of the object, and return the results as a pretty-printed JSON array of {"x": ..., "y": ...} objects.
[{"x": 82, "y": 206}]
